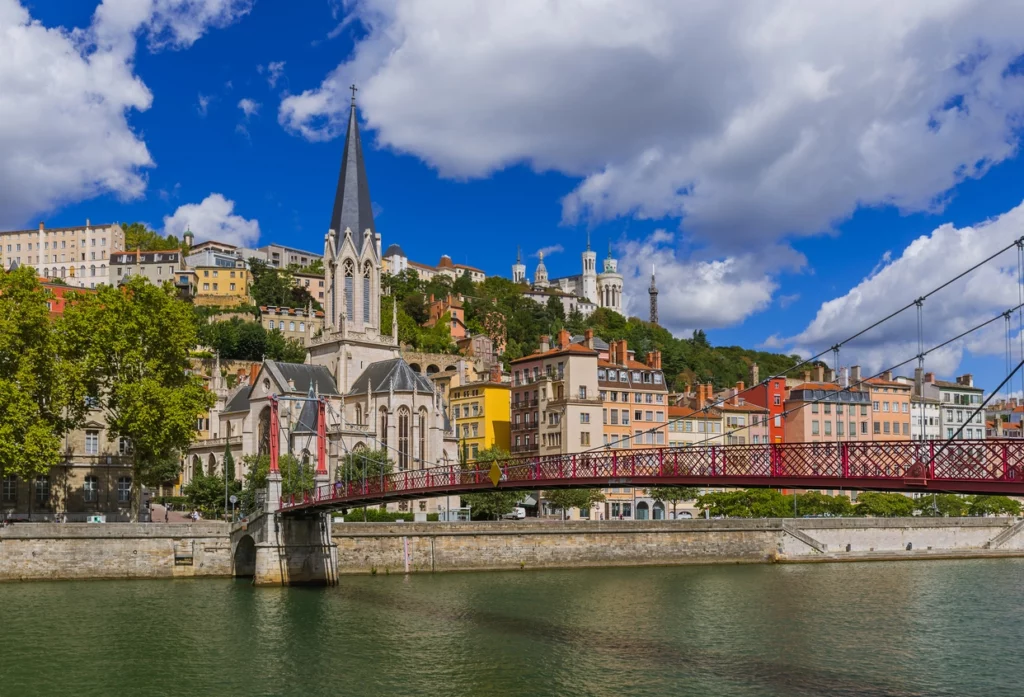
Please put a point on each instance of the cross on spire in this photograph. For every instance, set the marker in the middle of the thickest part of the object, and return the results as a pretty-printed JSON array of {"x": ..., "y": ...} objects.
[{"x": 354, "y": 90}]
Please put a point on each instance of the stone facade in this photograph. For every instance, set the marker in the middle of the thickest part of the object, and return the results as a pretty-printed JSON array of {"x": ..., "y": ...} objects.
[{"x": 78, "y": 255}]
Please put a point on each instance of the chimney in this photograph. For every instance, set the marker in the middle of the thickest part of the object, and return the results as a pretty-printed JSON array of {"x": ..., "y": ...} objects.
[
  {"x": 40, "y": 226},
  {"x": 844, "y": 377},
  {"x": 755, "y": 375},
  {"x": 700, "y": 395},
  {"x": 819, "y": 373},
  {"x": 688, "y": 387},
  {"x": 887, "y": 376},
  {"x": 623, "y": 351},
  {"x": 854, "y": 376},
  {"x": 563, "y": 339},
  {"x": 588, "y": 338},
  {"x": 966, "y": 380},
  {"x": 929, "y": 378},
  {"x": 807, "y": 376},
  {"x": 830, "y": 375},
  {"x": 736, "y": 393},
  {"x": 654, "y": 359},
  {"x": 544, "y": 345},
  {"x": 87, "y": 223}
]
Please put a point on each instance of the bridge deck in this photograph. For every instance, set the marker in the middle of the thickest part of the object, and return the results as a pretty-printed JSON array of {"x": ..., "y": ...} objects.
[{"x": 970, "y": 467}]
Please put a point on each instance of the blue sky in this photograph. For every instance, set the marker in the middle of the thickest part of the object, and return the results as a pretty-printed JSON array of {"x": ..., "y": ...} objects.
[{"x": 776, "y": 163}]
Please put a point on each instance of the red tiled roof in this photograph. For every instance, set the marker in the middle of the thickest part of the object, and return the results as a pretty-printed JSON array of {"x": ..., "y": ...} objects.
[{"x": 571, "y": 348}]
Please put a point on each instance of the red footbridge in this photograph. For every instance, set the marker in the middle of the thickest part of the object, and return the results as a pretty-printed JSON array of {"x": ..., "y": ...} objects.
[{"x": 965, "y": 467}]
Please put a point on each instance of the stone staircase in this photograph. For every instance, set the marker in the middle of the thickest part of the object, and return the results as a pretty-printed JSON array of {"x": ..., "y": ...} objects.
[{"x": 1005, "y": 536}]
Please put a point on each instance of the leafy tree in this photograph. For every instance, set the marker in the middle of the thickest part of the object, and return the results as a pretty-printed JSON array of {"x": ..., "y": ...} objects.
[
  {"x": 135, "y": 362},
  {"x": 555, "y": 308},
  {"x": 276, "y": 287},
  {"x": 674, "y": 495},
  {"x": 368, "y": 464},
  {"x": 229, "y": 463},
  {"x": 463, "y": 285},
  {"x": 295, "y": 477},
  {"x": 815, "y": 503},
  {"x": 415, "y": 306},
  {"x": 315, "y": 267},
  {"x": 138, "y": 236},
  {"x": 993, "y": 505},
  {"x": 884, "y": 505},
  {"x": 236, "y": 339},
  {"x": 42, "y": 388},
  {"x": 943, "y": 505},
  {"x": 496, "y": 503},
  {"x": 575, "y": 322},
  {"x": 746, "y": 503},
  {"x": 583, "y": 499}
]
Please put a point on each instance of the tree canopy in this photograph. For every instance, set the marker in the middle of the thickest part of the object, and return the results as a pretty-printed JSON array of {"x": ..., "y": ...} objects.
[
  {"x": 237, "y": 339},
  {"x": 135, "y": 343},
  {"x": 496, "y": 503},
  {"x": 138, "y": 236},
  {"x": 277, "y": 288},
  {"x": 582, "y": 499}
]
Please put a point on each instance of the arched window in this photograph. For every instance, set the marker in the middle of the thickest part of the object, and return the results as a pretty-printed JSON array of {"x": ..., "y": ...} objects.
[
  {"x": 423, "y": 437},
  {"x": 403, "y": 438},
  {"x": 124, "y": 490},
  {"x": 81, "y": 271},
  {"x": 63, "y": 272},
  {"x": 103, "y": 269},
  {"x": 91, "y": 489},
  {"x": 197, "y": 466},
  {"x": 359, "y": 415},
  {"x": 350, "y": 272},
  {"x": 367, "y": 271},
  {"x": 263, "y": 433},
  {"x": 383, "y": 435},
  {"x": 211, "y": 467},
  {"x": 46, "y": 273},
  {"x": 92, "y": 270}
]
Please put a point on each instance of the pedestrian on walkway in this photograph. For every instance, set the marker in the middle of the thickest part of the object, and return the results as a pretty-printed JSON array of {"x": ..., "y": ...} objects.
[{"x": 167, "y": 514}]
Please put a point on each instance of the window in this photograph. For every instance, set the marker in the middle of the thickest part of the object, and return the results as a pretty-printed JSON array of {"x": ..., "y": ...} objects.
[
  {"x": 9, "y": 492},
  {"x": 423, "y": 436},
  {"x": 906, "y": 429},
  {"x": 403, "y": 438},
  {"x": 853, "y": 429},
  {"x": 622, "y": 376},
  {"x": 349, "y": 273},
  {"x": 874, "y": 405},
  {"x": 601, "y": 373},
  {"x": 778, "y": 422},
  {"x": 906, "y": 407},
  {"x": 302, "y": 326},
  {"x": 814, "y": 408},
  {"x": 659, "y": 416},
  {"x": 777, "y": 400},
  {"x": 291, "y": 326},
  {"x": 457, "y": 412},
  {"x": 90, "y": 491},
  {"x": 885, "y": 427},
  {"x": 839, "y": 428},
  {"x": 638, "y": 416},
  {"x": 814, "y": 428},
  {"x": 625, "y": 417},
  {"x": 878, "y": 428},
  {"x": 92, "y": 442},
  {"x": 584, "y": 417},
  {"x": 885, "y": 406},
  {"x": 583, "y": 391},
  {"x": 649, "y": 416},
  {"x": 615, "y": 417},
  {"x": 366, "y": 291},
  {"x": 864, "y": 427},
  {"x": 863, "y": 409},
  {"x": 828, "y": 408},
  {"x": 637, "y": 397},
  {"x": 42, "y": 490},
  {"x": 828, "y": 428},
  {"x": 585, "y": 438},
  {"x": 124, "y": 489},
  {"x": 476, "y": 432},
  {"x": 382, "y": 435}
]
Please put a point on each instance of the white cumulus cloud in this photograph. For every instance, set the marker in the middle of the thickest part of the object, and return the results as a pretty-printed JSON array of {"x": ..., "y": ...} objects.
[
  {"x": 66, "y": 95},
  {"x": 926, "y": 263},
  {"x": 752, "y": 121},
  {"x": 249, "y": 107},
  {"x": 214, "y": 218}
]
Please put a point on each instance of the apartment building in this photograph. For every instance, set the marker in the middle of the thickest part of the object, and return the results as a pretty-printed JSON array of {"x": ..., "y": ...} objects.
[
  {"x": 556, "y": 407},
  {"x": 76, "y": 255},
  {"x": 634, "y": 398},
  {"x": 293, "y": 322},
  {"x": 222, "y": 279},
  {"x": 314, "y": 283},
  {"x": 924, "y": 418},
  {"x": 818, "y": 412},
  {"x": 158, "y": 267},
  {"x": 957, "y": 401},
  {"x": 482, "y": 412},
  {"x": 890, "y": 405},
  {"x": 772, "y": 396},
  {"x": 436, "y": 309},
  {"x": 281, "y": 257},
  {"x": 743, "y": 422},
  {"x": 693, "y": 424}
]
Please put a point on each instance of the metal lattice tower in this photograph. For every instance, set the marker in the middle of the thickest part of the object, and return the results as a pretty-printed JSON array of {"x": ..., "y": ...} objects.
[{"x": 653, "y": 292}]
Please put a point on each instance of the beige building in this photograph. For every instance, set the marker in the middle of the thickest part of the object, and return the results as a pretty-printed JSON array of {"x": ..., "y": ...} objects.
[
  {"x": 94, "y": 477},
  {"x": 78, "y": 255},
  {"x": 158, "y": 267},
  {"x": 313, "y": 283},
  {"x": 294, "y": 322}
]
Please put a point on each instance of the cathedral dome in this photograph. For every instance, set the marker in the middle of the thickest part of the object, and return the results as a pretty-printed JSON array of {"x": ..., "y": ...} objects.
[{"x": 394, "y": 251}]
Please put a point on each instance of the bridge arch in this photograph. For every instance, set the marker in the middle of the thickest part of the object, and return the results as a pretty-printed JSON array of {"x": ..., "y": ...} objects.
[
  {"x": 416, "y": 367},
  {"x": 432, "y": 369},
  {"x": 243, "y": 561}
]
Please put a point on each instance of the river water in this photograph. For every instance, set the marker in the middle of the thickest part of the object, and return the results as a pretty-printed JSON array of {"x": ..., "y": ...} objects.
[{"x": 892, "y": 628}]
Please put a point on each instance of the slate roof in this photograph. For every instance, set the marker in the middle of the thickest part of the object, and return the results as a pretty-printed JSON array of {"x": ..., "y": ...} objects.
[
  {"x": 394, "y": 250},
  {"x": 306, "y": 378},
  {"x": 353, "y": 208},
  {"x": 307, "y": 417},
  {"x": 599, "y": 343},
  {"x": 381, "y": 375}
]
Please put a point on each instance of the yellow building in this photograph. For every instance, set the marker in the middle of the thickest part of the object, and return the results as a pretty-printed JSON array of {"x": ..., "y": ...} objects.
[
  {"x": 222, "y": 280},
  {"x": 482, "y": 413}
]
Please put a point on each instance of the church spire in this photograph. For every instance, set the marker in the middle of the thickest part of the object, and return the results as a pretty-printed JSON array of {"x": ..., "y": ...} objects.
[{"x": 353, "y": 208}]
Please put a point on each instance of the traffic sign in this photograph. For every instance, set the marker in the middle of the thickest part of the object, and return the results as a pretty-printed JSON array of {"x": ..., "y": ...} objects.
[{"x": 495, "y": 474}]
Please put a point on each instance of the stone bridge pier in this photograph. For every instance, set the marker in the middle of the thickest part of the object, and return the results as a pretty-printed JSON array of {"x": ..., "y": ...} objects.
[{"x": 285, "y": 550}]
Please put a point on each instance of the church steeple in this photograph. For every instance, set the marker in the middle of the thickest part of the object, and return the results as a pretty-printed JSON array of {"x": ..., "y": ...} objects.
[{"x": 353, "y": 208}]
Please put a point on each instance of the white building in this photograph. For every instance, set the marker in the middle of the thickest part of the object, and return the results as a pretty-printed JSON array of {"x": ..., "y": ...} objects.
[
  {"x": 956, "y": 402},
  {"x": 78, "y": 255},
  {"x": 585, "y": 292},
  {"x": 924, "y": 419}
]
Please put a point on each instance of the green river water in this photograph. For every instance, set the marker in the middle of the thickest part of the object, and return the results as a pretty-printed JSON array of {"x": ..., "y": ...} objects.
[{"x": 893, "y": 628}]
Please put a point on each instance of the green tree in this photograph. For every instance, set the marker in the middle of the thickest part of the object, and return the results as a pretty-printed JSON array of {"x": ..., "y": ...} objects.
[
  {"x": 138, "y": 236},
  {"x": 364, "y": 464},
  {"x": 276, "y": 287},
  {"x": 564, "y": 499},
  {"x": 884, "y": 505},
  {"x": 993, "y": 505},
  {"x": 229, "y": 463},
  {"x": 42, "y": 388},
  {"x": 746, "y": 503},
  {"x": 496, "y": 503},
  {"x": 296, "y": 477},
  {"x": 137, "y": 340},
  {"x": 463, "y": 285},
  {"x": 814, "y": 503},
  {"x": 943, "y": 505},
  {"x": 674, "y": 495},
  {"x": 555, "y": 308}
]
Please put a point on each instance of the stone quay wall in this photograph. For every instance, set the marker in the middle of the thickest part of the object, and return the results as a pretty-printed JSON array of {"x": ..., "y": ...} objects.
[
  {"x": 433, "y": 547},
  {"x": 37, "y": 551}
]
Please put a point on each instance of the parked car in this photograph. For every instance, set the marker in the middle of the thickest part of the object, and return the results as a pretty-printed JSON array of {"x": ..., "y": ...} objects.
[{"x": 517, "y": 513}]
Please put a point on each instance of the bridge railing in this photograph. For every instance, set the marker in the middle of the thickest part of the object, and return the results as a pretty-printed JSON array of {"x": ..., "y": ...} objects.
[{"x": 990, "y": 460}]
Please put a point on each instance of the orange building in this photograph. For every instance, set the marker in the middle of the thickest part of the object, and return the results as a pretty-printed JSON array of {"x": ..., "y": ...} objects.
[
  {"x": 452, "y": 307},
  {"x": 634, "y": 397},
  {"x": 822, "y": 412},
  {"x": 890, "y": 407},
  {"x": 771, "y": 396}
]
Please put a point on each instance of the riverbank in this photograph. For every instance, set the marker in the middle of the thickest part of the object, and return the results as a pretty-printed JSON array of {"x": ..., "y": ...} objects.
[{"x": 185, "y": 550}]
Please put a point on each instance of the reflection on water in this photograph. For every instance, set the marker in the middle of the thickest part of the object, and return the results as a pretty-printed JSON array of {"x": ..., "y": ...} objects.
[{"x": 895, "y": 628}]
